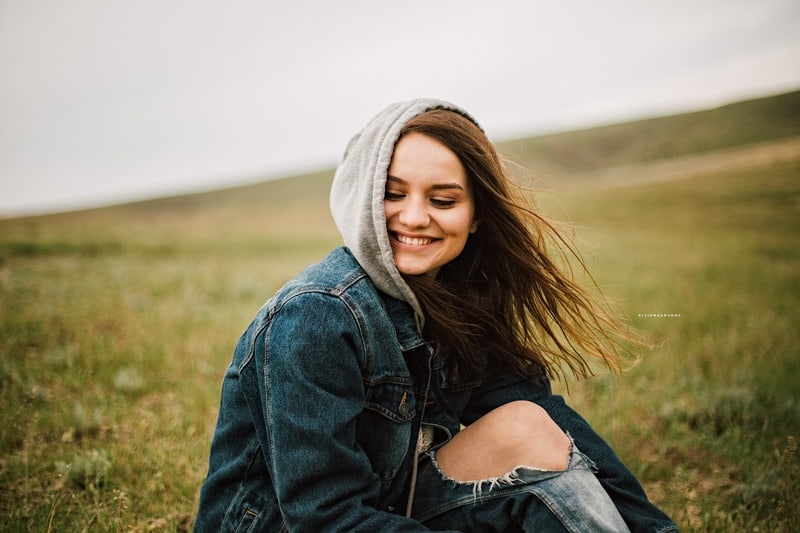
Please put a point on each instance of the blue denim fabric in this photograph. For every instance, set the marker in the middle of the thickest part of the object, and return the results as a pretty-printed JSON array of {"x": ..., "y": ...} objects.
[
  {"x": 531, "y": 500},
  {"x": 321, "y": 407}
]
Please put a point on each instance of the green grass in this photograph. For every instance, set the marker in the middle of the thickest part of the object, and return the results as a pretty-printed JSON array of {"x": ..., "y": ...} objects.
[
  {"x": 116, "y": 325},
  {"x": 710, "y": 418}
]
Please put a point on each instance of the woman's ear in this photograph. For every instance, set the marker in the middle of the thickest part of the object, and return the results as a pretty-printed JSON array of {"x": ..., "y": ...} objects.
[{"x": 474, "y": 226}]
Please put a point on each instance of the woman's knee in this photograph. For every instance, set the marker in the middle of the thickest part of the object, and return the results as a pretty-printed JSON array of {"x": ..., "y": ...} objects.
[
  {"x": 520, "y": 418},
  {"x": 519, "y": 433},
  {"x": 531, "y": 434}
]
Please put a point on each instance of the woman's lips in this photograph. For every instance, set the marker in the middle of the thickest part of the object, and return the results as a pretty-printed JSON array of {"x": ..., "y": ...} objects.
[{"x": 413, "y": 241}]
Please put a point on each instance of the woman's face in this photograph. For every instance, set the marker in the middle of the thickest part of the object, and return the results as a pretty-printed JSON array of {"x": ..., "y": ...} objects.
[{"x": 428, "y": 203}]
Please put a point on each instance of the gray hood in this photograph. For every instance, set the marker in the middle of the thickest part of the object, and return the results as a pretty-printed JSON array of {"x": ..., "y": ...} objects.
[{"x": 358, "y": 189}]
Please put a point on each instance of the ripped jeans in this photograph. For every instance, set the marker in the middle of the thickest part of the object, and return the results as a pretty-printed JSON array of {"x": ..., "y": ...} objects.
[{"x": 525, "y": 499}]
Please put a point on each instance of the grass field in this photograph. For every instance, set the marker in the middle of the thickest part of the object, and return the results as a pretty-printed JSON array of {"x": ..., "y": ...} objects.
[{"x": 116, "y": 325}]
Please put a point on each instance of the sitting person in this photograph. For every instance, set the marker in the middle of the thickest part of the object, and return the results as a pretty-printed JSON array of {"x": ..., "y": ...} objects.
[{"x": 403, "y": 383}]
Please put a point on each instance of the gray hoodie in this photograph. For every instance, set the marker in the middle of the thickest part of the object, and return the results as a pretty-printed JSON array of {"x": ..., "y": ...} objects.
[{"x": 358, "y": 190}]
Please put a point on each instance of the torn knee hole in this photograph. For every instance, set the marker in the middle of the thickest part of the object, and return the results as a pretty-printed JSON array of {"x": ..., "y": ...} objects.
[
  {"x": 505, "y": 477},
  {"x": 516, "y": 476}
]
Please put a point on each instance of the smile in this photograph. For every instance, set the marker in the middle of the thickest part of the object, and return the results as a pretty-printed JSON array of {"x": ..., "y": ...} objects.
[{"x": 413, "y": 241}]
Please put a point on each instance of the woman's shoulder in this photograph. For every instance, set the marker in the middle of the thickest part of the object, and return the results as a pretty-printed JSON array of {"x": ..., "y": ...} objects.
[
  {"x": 335, "y": 293},
  {"x": 336, "y": 271},
  {"x": 337, "y": 274}
]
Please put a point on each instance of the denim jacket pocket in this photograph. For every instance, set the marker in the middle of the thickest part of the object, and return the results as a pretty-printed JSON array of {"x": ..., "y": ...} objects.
[{"x": 384, "y": 427}]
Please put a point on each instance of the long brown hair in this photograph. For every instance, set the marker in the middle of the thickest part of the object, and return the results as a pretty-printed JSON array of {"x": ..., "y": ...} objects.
[{"x": 505, "y": 294}]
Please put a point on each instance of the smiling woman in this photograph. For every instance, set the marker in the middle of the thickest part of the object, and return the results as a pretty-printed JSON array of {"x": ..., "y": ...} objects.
[
  {"x": 429, "y": 208},
  {"x": 402, "y": 384}
]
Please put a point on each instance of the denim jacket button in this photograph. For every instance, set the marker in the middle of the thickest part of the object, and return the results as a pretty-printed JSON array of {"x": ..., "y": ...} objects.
[{"x": 403, "y": 408}]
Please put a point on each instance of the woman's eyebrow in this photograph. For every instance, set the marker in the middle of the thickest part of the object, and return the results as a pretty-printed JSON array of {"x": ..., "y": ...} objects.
[{"x": 435, "y": 186}]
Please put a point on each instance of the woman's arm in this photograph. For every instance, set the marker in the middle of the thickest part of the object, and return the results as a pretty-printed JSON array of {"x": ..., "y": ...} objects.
[
  {"x": 313, "y": 392},
  {"x": 620, "y": 484}
]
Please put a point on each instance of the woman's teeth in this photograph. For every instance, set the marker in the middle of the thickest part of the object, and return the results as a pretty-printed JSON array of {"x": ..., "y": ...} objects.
[{"x": 413, "y": 241}]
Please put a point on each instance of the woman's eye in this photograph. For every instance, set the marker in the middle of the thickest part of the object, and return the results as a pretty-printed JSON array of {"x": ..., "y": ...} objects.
[
  {"x": 390, "y": 195},
  {"x": 443, "y": 202}
]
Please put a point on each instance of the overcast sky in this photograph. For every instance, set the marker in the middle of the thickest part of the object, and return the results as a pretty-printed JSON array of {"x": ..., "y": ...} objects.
[{"x": 104, "y": 101}]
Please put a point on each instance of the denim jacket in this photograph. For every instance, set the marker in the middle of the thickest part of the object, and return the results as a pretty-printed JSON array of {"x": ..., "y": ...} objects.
[{"x": 322, "y": 404}]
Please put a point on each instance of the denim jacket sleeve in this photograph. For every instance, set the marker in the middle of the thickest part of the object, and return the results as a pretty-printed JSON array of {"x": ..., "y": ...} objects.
[
  {"x": 624, "y": 489},
  {"x": 313, "y": 391}
]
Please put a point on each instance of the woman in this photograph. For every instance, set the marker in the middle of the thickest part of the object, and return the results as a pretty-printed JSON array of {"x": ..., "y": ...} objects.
[{"x": 402, "y": 384}]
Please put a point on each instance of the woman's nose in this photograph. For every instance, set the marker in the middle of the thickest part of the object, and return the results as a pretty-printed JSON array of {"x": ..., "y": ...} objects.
[{"x": 414, "y": 214}]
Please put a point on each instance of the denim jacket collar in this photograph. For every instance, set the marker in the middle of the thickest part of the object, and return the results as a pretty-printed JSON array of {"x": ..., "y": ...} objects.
[{"x": 402, "y": 316}]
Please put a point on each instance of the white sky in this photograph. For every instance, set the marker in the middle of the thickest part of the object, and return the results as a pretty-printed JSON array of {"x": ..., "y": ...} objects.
[{"x": 108, "y": 100}]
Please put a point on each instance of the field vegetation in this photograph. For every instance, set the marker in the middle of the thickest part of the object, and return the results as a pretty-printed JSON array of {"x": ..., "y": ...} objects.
[{"x": 116, "y": 324}]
